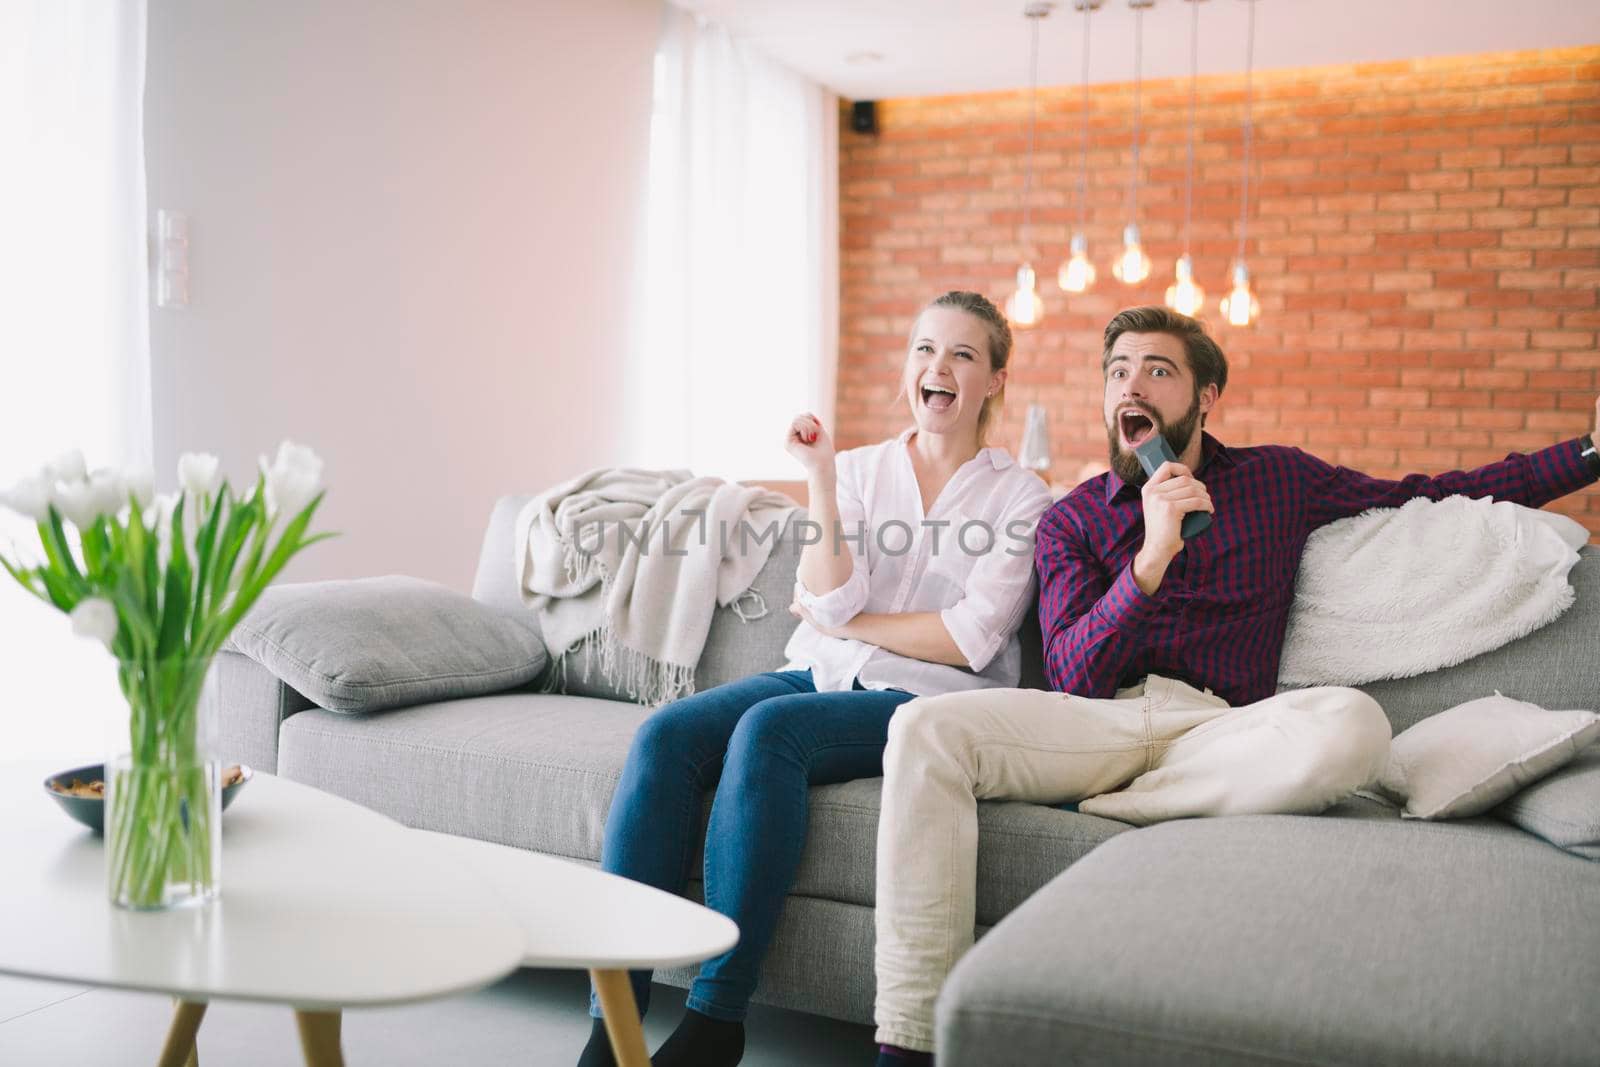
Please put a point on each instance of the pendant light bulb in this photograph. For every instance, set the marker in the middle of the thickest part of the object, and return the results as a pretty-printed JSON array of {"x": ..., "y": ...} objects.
[
  {"x": 1240, "y": 307},
  {"x": 1024, "y": 307},
  {"x": 1077, "y": 273},
  {"x": 1133, "y": 266},
  {"x": 1183, "y": 295}
]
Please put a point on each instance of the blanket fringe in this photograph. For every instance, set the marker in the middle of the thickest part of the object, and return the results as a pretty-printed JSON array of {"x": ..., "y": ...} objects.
[
  {"x": 749, "y": 605},
  {"x": 643, "y": 679},
  {"x": 581, "y": 567},
  {"x": 584, "y": 650}
]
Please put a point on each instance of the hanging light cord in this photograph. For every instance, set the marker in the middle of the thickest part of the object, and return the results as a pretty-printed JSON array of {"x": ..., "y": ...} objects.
[
  {"x": 1033, "y": 95},
  {"x": 1194, "y": 74},
  {"x": 1138, "y": 106},
  {"x": 1083, "y": 169},
  {"x": 1249, "y": 131}
]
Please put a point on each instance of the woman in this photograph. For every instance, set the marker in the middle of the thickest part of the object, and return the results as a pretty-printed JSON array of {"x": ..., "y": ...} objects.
[{"x": 916, "y": 587}]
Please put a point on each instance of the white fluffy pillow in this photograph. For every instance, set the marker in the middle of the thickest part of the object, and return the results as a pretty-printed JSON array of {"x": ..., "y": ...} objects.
[
  {"x": 1393, "y": 593},
  {"x": 1466, "y": 760}
]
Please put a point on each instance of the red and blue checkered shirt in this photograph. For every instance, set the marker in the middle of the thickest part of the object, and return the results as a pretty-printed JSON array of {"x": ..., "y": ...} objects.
[{"x": 1218, "y": 619}]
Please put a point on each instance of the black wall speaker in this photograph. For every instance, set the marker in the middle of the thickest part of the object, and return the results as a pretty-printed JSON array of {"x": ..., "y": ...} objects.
[{"x": 864, "y": 116}]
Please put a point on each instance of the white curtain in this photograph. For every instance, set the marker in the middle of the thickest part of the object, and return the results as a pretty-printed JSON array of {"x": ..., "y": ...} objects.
[
  {"x": 739, "y": 291},
  {"x": 74, "y": 327}
]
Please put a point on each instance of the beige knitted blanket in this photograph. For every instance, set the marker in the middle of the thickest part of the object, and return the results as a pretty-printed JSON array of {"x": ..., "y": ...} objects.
[{"x": 633, "y": 563}]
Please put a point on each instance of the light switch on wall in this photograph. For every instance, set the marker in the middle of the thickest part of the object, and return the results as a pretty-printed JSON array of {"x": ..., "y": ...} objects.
[{"x": 172, "y": 259}]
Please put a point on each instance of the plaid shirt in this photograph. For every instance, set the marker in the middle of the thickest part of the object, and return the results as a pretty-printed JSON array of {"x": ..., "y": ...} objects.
[{"x": 1218, "y": 619}]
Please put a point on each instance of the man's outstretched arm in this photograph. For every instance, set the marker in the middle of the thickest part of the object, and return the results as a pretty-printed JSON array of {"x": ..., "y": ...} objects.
[{"x": 1533, "y": 479}]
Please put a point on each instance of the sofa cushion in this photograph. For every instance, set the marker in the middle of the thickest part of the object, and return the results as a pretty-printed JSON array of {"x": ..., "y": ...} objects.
[
  {"x": 1564, "y": 808},
  {"x": 1466, "y": 760},
  {"x": 375, "y": 643},
  {"x": 537, "y": 771},
  {"x": 1289, "y": 939},
  {"x": 531, "y": 770}
]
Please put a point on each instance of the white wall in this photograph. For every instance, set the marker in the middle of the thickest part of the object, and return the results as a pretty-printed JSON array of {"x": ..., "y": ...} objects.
[{"x": 412, "y": 228}]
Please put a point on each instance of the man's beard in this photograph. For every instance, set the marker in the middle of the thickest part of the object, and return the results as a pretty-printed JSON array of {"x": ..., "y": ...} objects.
[{"x": 1178, "y": 435}]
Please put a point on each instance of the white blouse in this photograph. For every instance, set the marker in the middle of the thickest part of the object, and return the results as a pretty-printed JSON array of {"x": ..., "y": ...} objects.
[{"x": 970, "y": 559}]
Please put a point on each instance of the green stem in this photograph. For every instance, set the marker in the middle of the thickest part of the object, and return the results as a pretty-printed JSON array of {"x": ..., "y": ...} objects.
[{"x": 161, "y": 822}]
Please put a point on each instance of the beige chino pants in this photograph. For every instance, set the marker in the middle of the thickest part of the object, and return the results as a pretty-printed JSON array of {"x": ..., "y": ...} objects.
[{"x": 1160, "y": 750}]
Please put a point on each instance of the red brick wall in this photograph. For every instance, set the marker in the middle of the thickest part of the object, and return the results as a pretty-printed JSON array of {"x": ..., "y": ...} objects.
[{"x": 1425, "y": 242}]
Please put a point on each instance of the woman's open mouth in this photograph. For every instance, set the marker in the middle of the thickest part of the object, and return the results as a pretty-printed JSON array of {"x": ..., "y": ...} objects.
[
  {"x": 1136, "y": 426},
  {"x": 937, "y": 397}
]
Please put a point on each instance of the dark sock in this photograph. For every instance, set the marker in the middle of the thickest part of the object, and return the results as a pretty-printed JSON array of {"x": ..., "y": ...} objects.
[
  {"x": 895, "y": 1056},
  {"x": 597, "y": 1053},
  {"x": 701, "y": 1041}
]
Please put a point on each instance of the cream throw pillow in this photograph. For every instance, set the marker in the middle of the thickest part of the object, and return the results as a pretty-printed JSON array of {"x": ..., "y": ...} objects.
[{"x": 1466, "y": 760}]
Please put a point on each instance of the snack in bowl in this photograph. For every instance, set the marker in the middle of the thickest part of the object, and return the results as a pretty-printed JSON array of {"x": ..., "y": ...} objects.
[{"x": 81, "y": 791}]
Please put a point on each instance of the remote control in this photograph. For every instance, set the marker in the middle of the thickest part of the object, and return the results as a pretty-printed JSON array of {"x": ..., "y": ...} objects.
[{"x": 1152, "y": 454}]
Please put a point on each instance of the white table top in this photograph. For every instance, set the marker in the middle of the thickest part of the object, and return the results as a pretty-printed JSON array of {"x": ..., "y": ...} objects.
[
  {"x": 324, "y": 905},
  {"x": 576, "y": 916}
]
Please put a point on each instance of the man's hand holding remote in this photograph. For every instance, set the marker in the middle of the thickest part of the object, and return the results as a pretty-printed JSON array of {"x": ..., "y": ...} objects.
[{"x": 1170, "y": 494}]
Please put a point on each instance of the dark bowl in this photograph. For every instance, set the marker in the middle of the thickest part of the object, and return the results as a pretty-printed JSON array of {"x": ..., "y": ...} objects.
[{"x": 91, "y": 810}]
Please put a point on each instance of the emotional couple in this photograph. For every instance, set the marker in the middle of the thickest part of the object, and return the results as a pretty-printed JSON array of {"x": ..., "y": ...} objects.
[{"x": 1161, "y": 655}]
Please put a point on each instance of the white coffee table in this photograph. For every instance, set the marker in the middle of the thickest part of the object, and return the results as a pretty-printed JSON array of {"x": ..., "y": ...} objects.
[
  {"x": 327, "y": 905},
  {"x": 573, "y": 916}
]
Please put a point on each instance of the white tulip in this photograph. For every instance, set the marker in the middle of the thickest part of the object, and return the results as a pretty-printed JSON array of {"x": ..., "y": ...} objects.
[
  {"x": 159, "y": 513},
  {"x": 294, "y": 477},
  {"x": 158, "y": 518},
  {"x": 141, "y": 485},
  {"x": 110, "y": 491},
  {"x": 67, "y": 467},
  {"x": 29, "y": 497},
  {"x": 95, "y": 617},
  {"x": 199, "y": 473},
  {"x": 78, "y": 502}
]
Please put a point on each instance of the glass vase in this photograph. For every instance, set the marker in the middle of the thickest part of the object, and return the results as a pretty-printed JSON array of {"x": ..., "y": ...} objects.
[{"x": 163, "y": 807}]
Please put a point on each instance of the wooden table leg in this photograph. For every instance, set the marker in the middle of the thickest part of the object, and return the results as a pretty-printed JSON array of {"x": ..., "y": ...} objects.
[
  {"x": 622, "y": 1018},
  {"x": 179, "y": 1050},
  {"x": 319, "y": 1038}
]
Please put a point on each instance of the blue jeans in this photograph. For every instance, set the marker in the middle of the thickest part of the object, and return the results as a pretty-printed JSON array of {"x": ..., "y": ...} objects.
[{"x": 761, "y": 742}]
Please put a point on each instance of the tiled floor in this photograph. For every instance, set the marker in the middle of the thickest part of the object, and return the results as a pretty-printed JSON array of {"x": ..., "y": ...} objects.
[{"x": 531, "y": 1019}]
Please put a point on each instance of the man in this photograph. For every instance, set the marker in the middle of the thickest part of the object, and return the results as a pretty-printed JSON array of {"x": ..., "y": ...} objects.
[{"x": 1163, "y": 654}]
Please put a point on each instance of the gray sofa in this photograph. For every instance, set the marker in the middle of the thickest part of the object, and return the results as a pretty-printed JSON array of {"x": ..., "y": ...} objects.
[{"x": 1349, "y": 938}]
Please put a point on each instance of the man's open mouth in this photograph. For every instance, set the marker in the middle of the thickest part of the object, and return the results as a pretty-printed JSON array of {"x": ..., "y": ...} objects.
[
  {"x": 1136, "y": 426},
  {"x": 937, "y": 397}
]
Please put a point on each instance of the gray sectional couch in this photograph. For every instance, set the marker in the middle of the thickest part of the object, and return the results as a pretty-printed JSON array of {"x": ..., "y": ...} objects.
[{"x": 1349, "y": 938}]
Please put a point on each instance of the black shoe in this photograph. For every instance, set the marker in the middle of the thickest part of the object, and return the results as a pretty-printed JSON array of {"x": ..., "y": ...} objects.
[
  {"x": 701, "y": 1041},
  {"x": 597, "y": 1053}
]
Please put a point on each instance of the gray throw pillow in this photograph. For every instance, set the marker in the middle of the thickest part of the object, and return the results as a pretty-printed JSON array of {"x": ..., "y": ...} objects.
[
  {"x": 375, "y": 643},
  {"x": 1564, "y": 808}
]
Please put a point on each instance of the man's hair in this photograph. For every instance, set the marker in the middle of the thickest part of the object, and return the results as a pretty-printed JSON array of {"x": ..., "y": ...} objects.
[{"x": 1206, "y": 360}]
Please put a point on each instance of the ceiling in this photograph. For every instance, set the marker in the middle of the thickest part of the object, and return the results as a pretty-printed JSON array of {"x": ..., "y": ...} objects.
[{"x": 936, "y": 47}]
